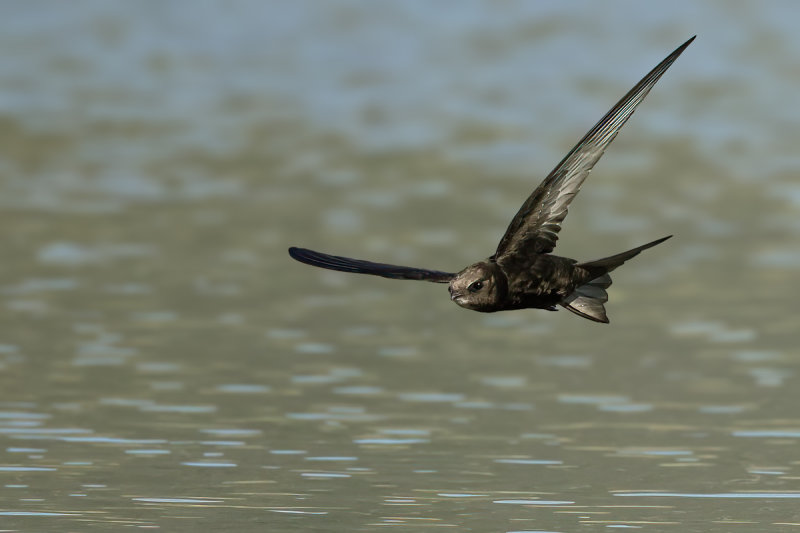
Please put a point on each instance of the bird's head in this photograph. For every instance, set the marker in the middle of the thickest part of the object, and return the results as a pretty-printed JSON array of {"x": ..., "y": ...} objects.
[{"x": 480, "y": 287}]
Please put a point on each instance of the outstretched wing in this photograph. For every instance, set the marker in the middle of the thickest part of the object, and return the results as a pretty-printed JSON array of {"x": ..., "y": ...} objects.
[
  {"x": 358, "y": 266},
  {"x": 536, "y": 225}
]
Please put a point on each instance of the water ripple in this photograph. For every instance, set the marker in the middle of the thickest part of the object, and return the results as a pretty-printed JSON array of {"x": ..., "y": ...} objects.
[
  {"x": 744, "y": 495},
  {"x": 176, "y": 500},
  {"x": 208, "y": 464},
  {"x": 26, "y": 469},
  {"x": 535, "y": 502}
]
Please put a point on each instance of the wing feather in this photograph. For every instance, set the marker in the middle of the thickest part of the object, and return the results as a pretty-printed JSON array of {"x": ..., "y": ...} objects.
[
  {"x": 359, "y": 266},
  {"x": 536, "y": 225}
]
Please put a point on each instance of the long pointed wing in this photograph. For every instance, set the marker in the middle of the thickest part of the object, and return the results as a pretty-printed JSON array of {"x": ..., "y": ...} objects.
[
  {"x": 358, "y": 266},
  {"x": 536, "y": 225}
]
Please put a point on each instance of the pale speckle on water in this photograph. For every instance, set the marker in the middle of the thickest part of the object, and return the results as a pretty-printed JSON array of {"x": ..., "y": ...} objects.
[
  {"x": 237, "y": 388},
  {"x": 397, "y": 351},
  {"x": 626, "y": 407},
  {"x": 592, "y": 399},
  {"x": 314, "y": 348},
  {"x": 430, "y": 397}
]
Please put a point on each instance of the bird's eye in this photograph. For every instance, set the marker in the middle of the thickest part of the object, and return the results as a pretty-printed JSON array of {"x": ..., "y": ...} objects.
[{"x": 475, "y": 287}]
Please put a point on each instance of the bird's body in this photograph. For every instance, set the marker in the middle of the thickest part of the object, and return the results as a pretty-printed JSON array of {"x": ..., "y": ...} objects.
[
  {"x": 522, "y": 273},
  {"x": 539, "y": 281},
  {"x": 544, "y": 282}
]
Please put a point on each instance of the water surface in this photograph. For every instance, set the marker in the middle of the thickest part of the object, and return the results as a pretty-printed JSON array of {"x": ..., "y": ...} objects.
[{"x": 164, "y": 364}]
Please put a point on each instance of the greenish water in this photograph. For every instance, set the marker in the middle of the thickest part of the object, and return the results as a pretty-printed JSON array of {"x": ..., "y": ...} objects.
[{"x": 165, "y": 364}]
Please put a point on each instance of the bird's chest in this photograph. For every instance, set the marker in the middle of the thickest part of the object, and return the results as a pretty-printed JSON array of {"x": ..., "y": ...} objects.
[{"x": 541, "y": 282}]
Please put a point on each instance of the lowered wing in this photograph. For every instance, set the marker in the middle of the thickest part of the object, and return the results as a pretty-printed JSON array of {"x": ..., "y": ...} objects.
[{"x": 359, "y": 266}]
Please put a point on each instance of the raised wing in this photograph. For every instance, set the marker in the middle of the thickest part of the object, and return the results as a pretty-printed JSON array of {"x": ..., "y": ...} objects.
[
  {"x": 536, "y": 225},
  {"x": 358, "y": 266}
]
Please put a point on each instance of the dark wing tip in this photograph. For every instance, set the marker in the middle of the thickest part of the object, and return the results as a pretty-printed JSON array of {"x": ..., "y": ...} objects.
[
  {"x": 678, "y": 51},
  {"x": 656, "y": 242},
  {"x": 319, "y": 259},
  {"x": 301, "y": 254},
  {"x": 310, "y": 257},
  {"x": 297, "y": 253}
]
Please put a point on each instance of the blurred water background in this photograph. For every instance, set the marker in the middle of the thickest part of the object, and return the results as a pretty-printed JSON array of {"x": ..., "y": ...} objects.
[{"x": 165, "y": 364}]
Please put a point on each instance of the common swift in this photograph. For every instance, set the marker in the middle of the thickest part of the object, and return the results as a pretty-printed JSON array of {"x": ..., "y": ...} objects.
[{"x": 522, "y": 273}]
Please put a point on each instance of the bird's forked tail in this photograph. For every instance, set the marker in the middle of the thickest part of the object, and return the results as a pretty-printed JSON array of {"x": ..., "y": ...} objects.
[{"x": 588, "y": 299}]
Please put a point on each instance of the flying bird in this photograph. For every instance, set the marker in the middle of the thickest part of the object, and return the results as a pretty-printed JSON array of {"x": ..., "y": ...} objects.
[{"x": 522, "y": 273}]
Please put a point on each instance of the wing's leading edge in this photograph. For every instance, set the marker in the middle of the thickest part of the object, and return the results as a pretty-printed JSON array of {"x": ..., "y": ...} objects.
[
  {"x": 536, "y": 225},
  {"x": 359, "y": 266}
]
